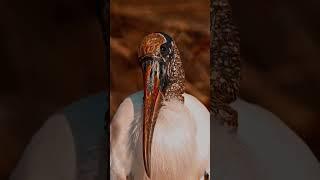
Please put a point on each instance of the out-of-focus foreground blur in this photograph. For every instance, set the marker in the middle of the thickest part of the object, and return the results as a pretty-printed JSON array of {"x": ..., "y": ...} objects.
[
  {"x": 51, "y": 54},
  {"x": 280, "y": 49}
]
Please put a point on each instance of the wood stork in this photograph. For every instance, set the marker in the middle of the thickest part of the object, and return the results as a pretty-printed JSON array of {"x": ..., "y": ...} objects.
[{"x": 162, "y": 132}]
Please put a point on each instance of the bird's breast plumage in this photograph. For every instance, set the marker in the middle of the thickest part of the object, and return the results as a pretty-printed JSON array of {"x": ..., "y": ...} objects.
[{"x": 181, "y": 140}]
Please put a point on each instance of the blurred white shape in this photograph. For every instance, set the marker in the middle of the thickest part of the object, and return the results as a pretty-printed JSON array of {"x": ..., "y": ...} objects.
[{"x": 264, "y": 148}]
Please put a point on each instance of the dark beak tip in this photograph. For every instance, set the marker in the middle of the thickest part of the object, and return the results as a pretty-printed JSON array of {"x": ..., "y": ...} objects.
[
  {"x": 146, "y": 159},
  {"x": 146, "y": 166},
  {"x": 148, "y": 172}
]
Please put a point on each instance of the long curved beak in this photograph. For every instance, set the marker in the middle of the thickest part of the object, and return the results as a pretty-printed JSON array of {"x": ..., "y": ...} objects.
[{"x": 152, "y": 102}]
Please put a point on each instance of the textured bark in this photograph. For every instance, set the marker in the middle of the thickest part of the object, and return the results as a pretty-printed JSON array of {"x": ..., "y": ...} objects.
[{"x": 225, "y": 62}]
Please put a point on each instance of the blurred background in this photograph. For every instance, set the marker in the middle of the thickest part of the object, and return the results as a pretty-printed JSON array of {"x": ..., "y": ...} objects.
[
  {"x": 188, "y": 22},
  {"x": 280, "y": 50},
  {"x": 51, "y": 54}
]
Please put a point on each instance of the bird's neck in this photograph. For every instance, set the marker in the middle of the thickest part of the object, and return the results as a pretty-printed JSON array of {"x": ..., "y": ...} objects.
[
  {"x": 176, "y": 86},
  {"x": 175, "y": 91}
]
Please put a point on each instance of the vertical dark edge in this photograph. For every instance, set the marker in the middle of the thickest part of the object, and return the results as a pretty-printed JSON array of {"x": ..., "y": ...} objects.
[
  {"x": 108, "y": 120},
  {"x": 212, "y": 19},
  {"x": 107, "y": 59},
  {"x": 103, "y": 9}
]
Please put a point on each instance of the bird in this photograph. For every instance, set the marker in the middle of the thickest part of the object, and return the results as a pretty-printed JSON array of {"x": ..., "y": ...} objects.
[{"x": 160, "y": 132}]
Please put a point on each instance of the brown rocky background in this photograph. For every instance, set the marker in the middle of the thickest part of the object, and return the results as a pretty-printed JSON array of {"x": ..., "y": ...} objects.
[{"x": 131, "y": 21}]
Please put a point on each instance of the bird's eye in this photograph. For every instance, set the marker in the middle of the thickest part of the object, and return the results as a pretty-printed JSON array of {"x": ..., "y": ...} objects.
[{"x": 164, "y": 50}]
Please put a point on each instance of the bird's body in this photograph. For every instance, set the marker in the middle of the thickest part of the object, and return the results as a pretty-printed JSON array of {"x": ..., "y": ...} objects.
[
  {"x": 181, "y": 143},
  {"x": 160, "y": 133}
]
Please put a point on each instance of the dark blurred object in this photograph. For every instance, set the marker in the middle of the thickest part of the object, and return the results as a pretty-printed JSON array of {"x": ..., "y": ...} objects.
[
  {"x": 51, "y": 54},
  {"x": 188, "y": 22},
  {"x": 225, "y": 63},
  {"x": 280, "y": 43}
]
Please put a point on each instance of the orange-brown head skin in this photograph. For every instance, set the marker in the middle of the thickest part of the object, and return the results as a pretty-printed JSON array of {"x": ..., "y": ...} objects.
[{"x": 150, "y": 44}]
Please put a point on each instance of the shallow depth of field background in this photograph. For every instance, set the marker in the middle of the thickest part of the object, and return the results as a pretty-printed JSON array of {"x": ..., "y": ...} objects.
[
  {"x": 187, "y": 22},
  {"x": 280, "y": 50}
]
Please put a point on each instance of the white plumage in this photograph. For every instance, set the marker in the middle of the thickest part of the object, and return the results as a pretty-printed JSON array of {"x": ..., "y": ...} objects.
[{"x": 181, "y": 140}]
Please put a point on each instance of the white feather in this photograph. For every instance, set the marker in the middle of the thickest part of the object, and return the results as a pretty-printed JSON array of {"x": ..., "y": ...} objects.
[{"x": 181, "y": 140}]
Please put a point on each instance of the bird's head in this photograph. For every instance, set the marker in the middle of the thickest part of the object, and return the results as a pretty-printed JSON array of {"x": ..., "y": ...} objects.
[{"x": 163, "y": 77}]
